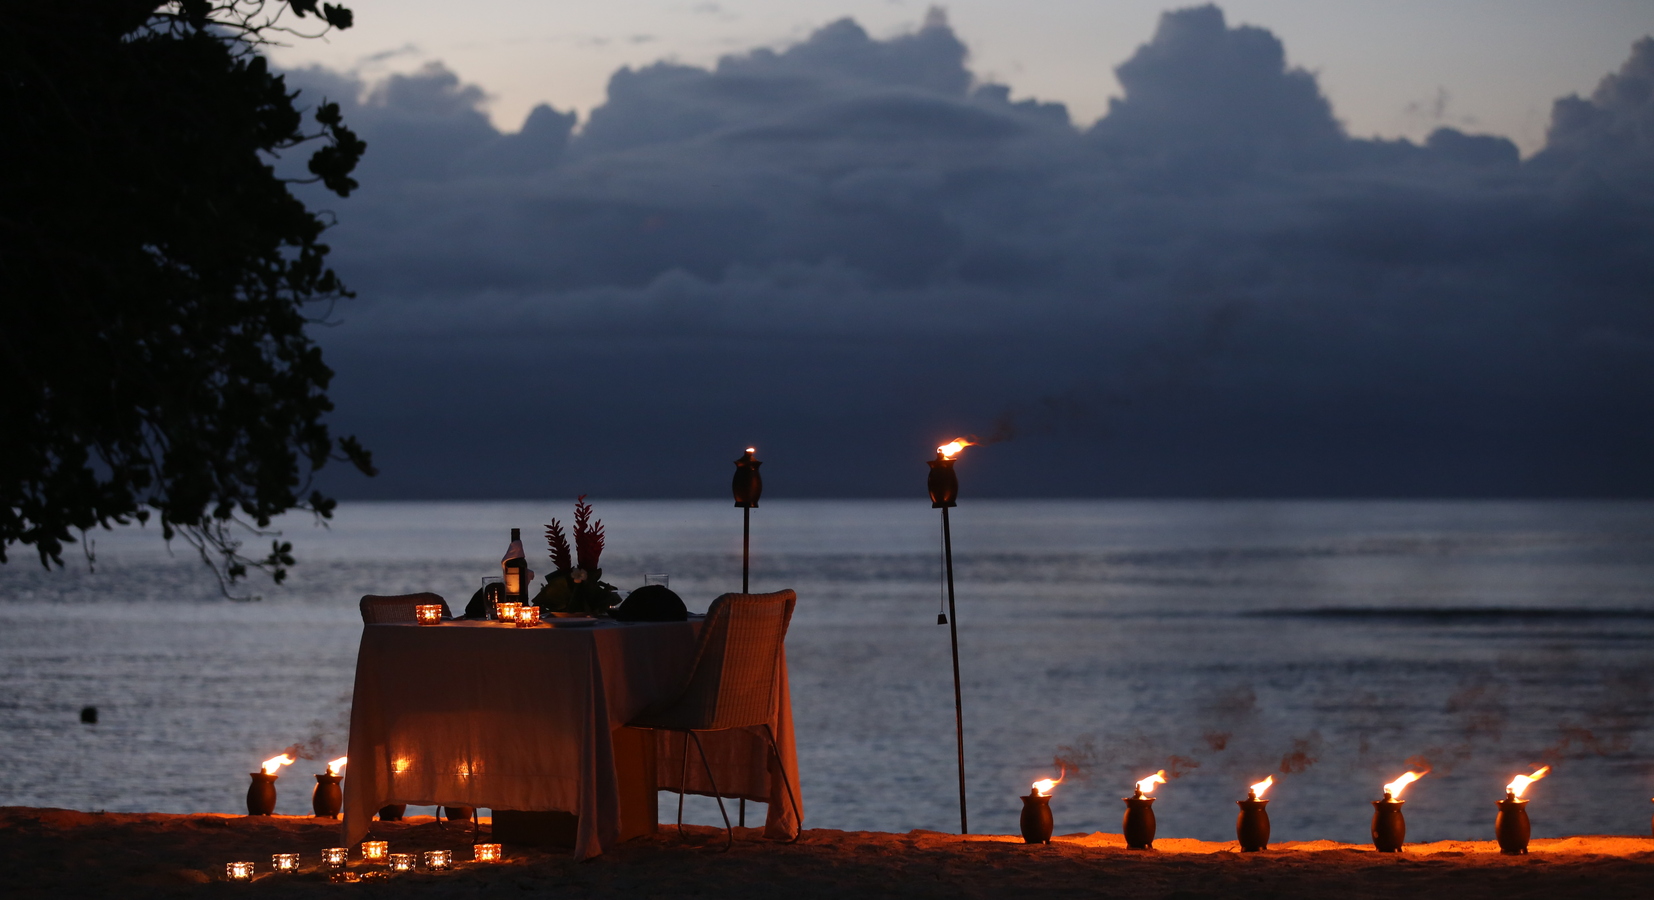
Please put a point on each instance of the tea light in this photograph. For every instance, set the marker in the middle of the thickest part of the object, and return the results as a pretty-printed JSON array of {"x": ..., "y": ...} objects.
[
  {"x": 528, "y": 617},
  {"x": 374, "y": 851},
  {"x": 335, "y": 857},
  {"x": 489, "y": 853},
  {"x": 285, "y": 862},
  {"x": 506, "y": 612},
  {"x": 437, "y": 860},
  {"x": 401, "y": 862},
  {"x": 428, "y": 613},
  {"x": 238, "y": 871}
]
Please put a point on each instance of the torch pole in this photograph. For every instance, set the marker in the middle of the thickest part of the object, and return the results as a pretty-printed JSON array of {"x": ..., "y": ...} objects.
[
  {"x": 746, "y": 545},
  {"x": 958, "y": 703}
]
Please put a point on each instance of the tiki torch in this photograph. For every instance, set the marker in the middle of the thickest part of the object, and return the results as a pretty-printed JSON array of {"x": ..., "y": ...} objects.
[
  {"x": 1389, "y": 826},
  {"x": 747, "y": 486},
  {"x": 1511, "y": 825},
  {"x": 1252, "y": 825},
  {"x": 944, "y": 492}
]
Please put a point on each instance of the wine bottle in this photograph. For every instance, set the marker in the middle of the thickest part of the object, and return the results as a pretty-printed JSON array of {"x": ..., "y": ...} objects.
[{"x": 515, "y": 569}]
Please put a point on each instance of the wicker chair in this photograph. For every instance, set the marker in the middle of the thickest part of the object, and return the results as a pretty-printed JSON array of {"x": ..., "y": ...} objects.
[
  {"x": 399, "y": 608},
  {"x": 732, "y": 684}
]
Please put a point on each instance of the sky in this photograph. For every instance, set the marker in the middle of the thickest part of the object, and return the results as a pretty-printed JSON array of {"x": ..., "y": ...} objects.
[
  {"x": 846, "y": 241},
  {"x": 1397, "y": 68}
]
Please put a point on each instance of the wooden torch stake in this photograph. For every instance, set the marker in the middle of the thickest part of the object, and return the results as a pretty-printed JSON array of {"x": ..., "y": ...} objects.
[
  {"x": 958, "y": 703},
  {"x": 746, "y": 560}
]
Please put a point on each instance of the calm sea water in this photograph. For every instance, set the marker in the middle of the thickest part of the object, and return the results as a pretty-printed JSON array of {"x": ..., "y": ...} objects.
[{"x": 1332, "y": 640}]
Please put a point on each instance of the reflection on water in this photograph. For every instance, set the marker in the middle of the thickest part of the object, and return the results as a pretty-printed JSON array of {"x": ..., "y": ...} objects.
[{"x": 1332, "y": 640}]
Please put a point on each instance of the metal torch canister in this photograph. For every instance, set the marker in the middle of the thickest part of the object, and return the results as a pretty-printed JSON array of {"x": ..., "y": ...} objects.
[
  {"x": 1138, "y": 824},
  {"x": 1389, "y": 828},
  {"x": 1252, "y": 825},
  {"x": 261, "y": 794},
  {"x": 1511, "y": 826},
  {"x": 1036, "y": 819},
  {"x": 327, "y": 798}
]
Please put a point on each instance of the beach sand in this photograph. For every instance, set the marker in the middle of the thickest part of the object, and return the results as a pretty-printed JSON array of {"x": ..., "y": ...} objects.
[{"x": 63, "y": 853}]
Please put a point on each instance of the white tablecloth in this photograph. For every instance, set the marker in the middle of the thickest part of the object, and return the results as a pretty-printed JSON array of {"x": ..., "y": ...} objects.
[{"x": 484, "y": 715}]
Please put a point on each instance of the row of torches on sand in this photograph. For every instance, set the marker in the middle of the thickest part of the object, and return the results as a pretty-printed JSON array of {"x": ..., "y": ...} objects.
[
  {"x": 1252, "y": 825},
  {"x": 335, "y": 861}
]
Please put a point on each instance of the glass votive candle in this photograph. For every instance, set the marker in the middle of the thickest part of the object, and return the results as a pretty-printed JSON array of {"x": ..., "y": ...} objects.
[
  {"x": 506, "y": 612},
  {"x": 528, "y": 617},
  {"x": 335, "y": 857},
  {"x": 489, "y": 853},
  {"x": 428, "y": 613},
  {"x": 238, "y": 871},
  {"x": 438, "y": 860},
  {"x": 401, "y": 862},
  {"x": 374, "y": 851},
  {"x": 285, "y": 862}
]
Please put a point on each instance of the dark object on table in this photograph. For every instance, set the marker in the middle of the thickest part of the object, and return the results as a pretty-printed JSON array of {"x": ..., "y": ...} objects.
[
  {"x": 1036, "y": 818},
  {"x": 733, "y": 684},
  {"x": 1252, "y": 825},
  {"x": 261, "y": 794},
  {"x": 393, "y": 813},
  {"x": 379, "y": 609},
  {"x": 481, "y": 604},
  {"x": 1138, "y": 824},
  {"x": 89, "y": 715},
  {"x": 1511, "y": 825},
  {"x": 326, "y": 799},
  {"x": 651, "y": 603},
  {"x": 1389, "y": 827}
]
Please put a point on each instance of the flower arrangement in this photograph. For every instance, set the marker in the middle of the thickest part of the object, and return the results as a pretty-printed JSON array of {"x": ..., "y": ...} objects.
[{"x": 575, "y": 584}]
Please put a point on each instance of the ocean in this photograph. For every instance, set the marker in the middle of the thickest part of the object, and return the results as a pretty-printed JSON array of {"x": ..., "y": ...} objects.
[{"x": 1331, "y": 644}]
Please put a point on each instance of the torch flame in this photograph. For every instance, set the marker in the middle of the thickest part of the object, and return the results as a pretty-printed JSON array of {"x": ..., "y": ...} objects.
[
  {"x": 1147, "y": 784},
  {"x": 276, "y": 762},
  {"x": 752, "y": 449},
  {"x": 1393, "y": 789},
  {"x": 334, "y": 766},
  {"x": 1520, "y": 783},
  {"x": 1044, "y": 786},
  {"x": 952, "y": 448},
  {"x": 1260, "y": 787}
]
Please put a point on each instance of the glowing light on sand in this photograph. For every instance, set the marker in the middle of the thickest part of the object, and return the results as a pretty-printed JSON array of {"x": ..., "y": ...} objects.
[
  {"x": 1147, "y": 784},
  {"x": 1520, "y": 783}
]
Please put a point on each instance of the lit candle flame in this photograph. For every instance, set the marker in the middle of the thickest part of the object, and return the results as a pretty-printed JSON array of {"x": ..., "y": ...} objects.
[
  {"x": 952, "y": 448},
  {"x": 1393, "y": 789},
  {"x": 334, "y": 766},
  {"x": 1260, "y": 787},
  {"x": 1520, "y": 783},
  {"x": 1044, "y": 786},
  {"x": 1146, "y": 786},
  {"x": 276, "y": 762}
]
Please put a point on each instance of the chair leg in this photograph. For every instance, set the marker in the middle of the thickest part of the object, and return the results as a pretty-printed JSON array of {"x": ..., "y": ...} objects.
[
  {"x": 729, "y": 833},
  {"x": 786, "y": 782},
  {"x": 683, "y": 784}
]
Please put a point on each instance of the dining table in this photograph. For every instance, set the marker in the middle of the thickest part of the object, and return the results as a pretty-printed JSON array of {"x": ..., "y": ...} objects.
[{"x": 485, "y": 714}]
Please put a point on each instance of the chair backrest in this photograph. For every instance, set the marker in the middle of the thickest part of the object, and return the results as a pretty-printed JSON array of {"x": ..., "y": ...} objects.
[
  {"x": 378, "y": 609},
  {"x": 732, "y": 683}
]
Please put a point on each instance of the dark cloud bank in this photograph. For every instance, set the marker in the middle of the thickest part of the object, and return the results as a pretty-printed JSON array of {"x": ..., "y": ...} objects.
[{"x": 849, "y": 249}]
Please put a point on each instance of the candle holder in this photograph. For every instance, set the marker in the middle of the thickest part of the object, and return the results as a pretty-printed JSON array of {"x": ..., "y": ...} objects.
[
  {"x": 1389, "y": 827},
  {"x": 401, "y": 862},
  {"x": 238, "y": 871},
  {"x": 327, "y": 798},
  {"x": 1138, "y": 823},
  {"x": 428, "y": 613},
  {"x": 1036, "y": 818},
  {"x": 1252, "y": 825},
  {"x": 506, "y": 612},
  {"x": 374, "y": 851},
  {"x": 335, "y": 857},
  {"x": 261, "y": 794},
  {"x": 528, "y": 616},
  {"x": 1511, "y": 825},
  {"x": 488, "y": 853},
  {"x": 342, "y": 877},
  {"x": 439, "y": 860},
  {"x": 285, "y": 863}
]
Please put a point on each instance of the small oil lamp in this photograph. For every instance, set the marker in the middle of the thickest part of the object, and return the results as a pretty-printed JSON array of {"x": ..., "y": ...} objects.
[
  {"x": 401, "y": 862},
  {"x": 1036, "y": 811},
  {"x": 428, "y": 613},
  {"x": 261, "y": 794},
  {"x": 238, "y": 871},
  {"x": 1389, "y": 828},
  {"x": 506, "y": 612},
  {"x": 439, "y": 860},
  {"x": 1511, "y": 825},
  {"x": 1139, "y": 821},
  {"x": 327, "y": 798},
  {"x": 488, "y": 853},
  {"x": 528, "y": 616},
  {"x": 285, "y": 863},
  {"x": 335, "y": 857},
  {"x": 374, "y": 851},
  {"x": 1252, "y": 825}
]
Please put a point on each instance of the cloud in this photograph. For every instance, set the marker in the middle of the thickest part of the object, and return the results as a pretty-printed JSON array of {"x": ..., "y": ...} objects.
[{"x": 849, "y": 247}]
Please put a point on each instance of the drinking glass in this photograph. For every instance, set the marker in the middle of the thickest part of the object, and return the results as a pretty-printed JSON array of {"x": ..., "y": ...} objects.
[{"x": 662, "y": 580}]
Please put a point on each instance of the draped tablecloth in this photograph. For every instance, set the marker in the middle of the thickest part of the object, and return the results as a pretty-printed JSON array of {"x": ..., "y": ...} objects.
[{"x": 487, "y": 715}]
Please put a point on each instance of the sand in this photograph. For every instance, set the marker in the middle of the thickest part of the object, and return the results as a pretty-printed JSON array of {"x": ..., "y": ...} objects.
[{"x": 62, "y": 853}]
